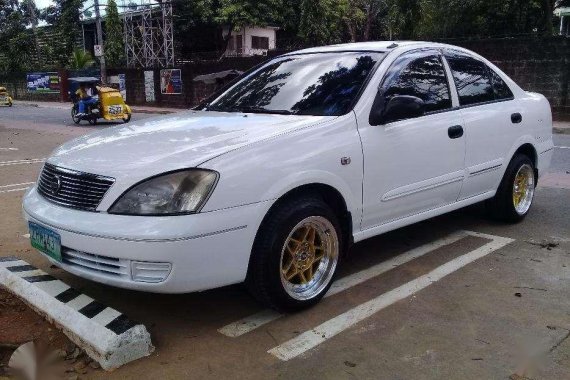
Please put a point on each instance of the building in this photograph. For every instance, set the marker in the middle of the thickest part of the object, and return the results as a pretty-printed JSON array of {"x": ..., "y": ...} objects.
[
  {"x": 250, "y": 40},
  {"x": 564, "y": 14}
]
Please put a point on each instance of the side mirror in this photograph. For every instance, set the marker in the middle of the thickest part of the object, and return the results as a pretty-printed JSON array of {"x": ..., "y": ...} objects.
[{"x": 399, "y": 107}]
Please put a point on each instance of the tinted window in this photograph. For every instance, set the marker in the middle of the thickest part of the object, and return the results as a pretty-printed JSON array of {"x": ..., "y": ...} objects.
[
  {"x": 502, "y": 91},
  {"x": 323, "y": 84},
  {"x": 421, "y": 76},
  {"x": 471, "y": 79}
]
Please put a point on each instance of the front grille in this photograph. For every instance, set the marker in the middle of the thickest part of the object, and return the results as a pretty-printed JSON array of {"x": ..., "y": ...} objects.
[
  {"x": 95, "y": 263},
  {"x": 71, "y": 188}
]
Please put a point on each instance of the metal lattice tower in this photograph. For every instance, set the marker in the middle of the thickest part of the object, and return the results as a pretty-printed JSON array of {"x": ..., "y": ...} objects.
[{"x": 149, "y": 39}]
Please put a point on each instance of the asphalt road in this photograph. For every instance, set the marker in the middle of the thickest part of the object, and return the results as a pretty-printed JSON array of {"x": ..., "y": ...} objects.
[{"x": 506, "y": 313}]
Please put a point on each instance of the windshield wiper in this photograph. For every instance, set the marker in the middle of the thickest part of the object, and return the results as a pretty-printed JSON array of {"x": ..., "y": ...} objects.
[{"x": 247, "y": 109}]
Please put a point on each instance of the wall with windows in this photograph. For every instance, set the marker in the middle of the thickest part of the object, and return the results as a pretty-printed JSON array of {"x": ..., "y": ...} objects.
[{"x": 250, "y": 41}]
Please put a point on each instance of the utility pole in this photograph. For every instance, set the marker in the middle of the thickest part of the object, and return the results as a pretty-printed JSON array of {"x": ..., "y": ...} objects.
[{"x": 100, "y": 41}]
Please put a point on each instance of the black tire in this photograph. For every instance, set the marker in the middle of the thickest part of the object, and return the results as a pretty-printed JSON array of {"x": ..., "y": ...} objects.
[
  {"x": 502, "y": 206},
  {"x": 74, "y": 117},
  {"x": 92, "y": 120},
  {"x": 264, "y": 273},
  {"x": 127, "y": 118}
]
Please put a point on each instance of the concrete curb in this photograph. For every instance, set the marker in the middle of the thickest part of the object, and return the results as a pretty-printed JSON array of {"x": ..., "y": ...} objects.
[
  {"x": 135, "y": 109},
  {"x": 105, "y": 334}
]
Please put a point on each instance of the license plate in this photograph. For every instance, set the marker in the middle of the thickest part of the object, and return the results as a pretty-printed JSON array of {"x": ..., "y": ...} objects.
[
  {"x": 45, "y": 240},
  {"x": 115, "y": 110}
]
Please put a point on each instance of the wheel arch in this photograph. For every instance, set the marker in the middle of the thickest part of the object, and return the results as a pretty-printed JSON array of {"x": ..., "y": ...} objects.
[
  {"x": 530, "y": 151},
  {"x": 330, "y": 195}
]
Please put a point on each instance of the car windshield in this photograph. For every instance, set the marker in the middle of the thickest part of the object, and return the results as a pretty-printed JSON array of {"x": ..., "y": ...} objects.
[{"x": 324, "y": 84}]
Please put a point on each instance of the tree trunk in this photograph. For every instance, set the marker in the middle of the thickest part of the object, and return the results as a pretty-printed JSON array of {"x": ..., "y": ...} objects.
[
  {"x": 548, "y": 7},
  {"x": 351, "y": 31},
  {"x": 226, "y": 41}
]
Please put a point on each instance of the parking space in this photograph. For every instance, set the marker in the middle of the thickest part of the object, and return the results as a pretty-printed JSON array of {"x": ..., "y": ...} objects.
[{"x": 458, "y": 296}]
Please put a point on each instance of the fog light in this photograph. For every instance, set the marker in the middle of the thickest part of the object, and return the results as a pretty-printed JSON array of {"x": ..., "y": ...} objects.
[{"x": 144, "y": 271}]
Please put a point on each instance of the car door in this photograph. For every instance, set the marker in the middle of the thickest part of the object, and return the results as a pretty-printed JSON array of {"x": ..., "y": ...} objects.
[
  {"x": 492, "y": 121},
  {"x": 413, "y": 164}
]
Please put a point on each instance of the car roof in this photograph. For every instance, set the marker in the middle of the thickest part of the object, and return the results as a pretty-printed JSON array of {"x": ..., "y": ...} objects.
[{"x": 379, "y": 46}]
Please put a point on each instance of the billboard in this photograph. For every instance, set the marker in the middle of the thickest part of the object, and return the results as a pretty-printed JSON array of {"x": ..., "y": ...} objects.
[
  {"x": 170, "y": 81},
  {"x": 43, "y": 82}
]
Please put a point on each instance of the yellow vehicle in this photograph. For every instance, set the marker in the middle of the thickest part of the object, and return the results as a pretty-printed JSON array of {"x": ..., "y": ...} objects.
[
  {"x": 102, "y": 102},
  {"x": 5, "y": 98}
]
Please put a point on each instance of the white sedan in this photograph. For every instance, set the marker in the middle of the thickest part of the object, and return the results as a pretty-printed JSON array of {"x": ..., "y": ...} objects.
[{"x": 273, "y": 179}]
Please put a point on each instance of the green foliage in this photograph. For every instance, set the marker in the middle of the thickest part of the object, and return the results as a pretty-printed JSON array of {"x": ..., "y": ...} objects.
[
  {"x": 65, "y": 16},
  {"x": 320, "y": 22},
  {"x": 239, "y": 13},
  {"x": 16, "y": 41},
  {"x": 81, "y": 60},
  {"x": 114, "y": 48}
]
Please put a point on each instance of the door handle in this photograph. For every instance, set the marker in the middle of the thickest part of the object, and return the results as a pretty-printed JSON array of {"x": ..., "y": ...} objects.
[
  {"x": 455, "y": 132},
  {"x": 516, "y": 118}
]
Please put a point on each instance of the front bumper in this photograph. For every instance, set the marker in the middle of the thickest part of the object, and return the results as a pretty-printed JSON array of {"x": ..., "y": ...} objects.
[{"x": 205, "y": 250}]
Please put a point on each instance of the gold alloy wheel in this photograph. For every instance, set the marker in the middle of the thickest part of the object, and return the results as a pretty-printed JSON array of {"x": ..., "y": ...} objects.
[
  {"x": 309, "y": 257},
  {"x": 523, "y": 189}
]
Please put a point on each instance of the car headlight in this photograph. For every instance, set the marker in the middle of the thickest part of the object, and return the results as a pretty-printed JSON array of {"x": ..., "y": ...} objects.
[{"x": 182, "y": 192}]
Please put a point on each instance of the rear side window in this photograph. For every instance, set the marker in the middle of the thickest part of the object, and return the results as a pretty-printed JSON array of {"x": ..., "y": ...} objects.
[
  {"x": 502, "y": 91},
  {"x": 419, "y": 75},
  {"x": 471, "y": 78}
]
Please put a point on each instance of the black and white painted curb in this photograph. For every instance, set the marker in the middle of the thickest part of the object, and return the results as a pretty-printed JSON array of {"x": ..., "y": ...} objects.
[{"x": 106, "y": 335}]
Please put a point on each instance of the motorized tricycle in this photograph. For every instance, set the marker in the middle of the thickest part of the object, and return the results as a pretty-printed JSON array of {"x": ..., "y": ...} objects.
[
  {"x": 5, "y": 98},
  {"x": 108, "y": 104}
]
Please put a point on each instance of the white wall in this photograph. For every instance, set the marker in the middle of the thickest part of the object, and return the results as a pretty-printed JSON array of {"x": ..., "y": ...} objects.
[{"x": 246, "y": 34}]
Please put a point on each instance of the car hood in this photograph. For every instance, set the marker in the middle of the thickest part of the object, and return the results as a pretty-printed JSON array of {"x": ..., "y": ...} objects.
[{"x": 166, "y": 143}]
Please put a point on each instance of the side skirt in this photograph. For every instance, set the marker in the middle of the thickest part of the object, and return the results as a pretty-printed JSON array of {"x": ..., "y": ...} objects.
[{"x": 380, "y": 229}]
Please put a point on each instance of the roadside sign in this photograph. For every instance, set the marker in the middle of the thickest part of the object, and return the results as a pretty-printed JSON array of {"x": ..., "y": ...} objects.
[{"x": 98, "y": 50}]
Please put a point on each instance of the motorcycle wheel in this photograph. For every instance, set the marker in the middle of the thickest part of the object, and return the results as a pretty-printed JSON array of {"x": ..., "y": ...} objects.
[
  {"x": 74, "y": 116},
  {"x": 127, "y": 118},
  {"x": 92, "y": 120}
]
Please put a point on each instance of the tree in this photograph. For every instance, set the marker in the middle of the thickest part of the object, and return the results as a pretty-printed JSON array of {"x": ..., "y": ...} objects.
[
  {"x": 65, "y": 16},
  {"x": 81, "y": 59},
  {"x": 16, "y": 42},
  {"x": 321, "y": 21},
  {"x": 114, "y": 48}
]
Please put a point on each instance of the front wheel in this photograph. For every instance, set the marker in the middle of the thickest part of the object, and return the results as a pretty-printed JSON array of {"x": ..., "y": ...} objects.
[
  {"x": 127, "y": 118},
  {"x": 295, "y": 255},
  {"x": 515, "y": 194}
]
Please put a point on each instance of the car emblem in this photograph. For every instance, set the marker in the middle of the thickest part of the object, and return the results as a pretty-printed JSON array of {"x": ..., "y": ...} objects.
[{"x": 55, "y": 184}]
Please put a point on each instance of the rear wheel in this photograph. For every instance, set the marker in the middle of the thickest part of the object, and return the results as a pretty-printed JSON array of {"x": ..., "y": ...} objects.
[
  {"x": 76, "y": 119},
  {"x": 295, "y": 255},
  {"x": 515, "y": 194}
]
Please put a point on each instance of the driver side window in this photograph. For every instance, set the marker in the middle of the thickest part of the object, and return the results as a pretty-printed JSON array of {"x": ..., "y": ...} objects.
[{"x": 421, "y": 76}]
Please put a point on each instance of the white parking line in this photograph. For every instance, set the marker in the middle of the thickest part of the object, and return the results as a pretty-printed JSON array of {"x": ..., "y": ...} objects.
[
  {"x": 254, "y": 321},
  {"x": 312, "y": 338},
  {"x": 562, "y": 147},
  {"x": 20, "y": 162},
  {"x": 16, "y": 184},
  {"x": 12, "y": 190},
  {"x": 11, "y": 149}
]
